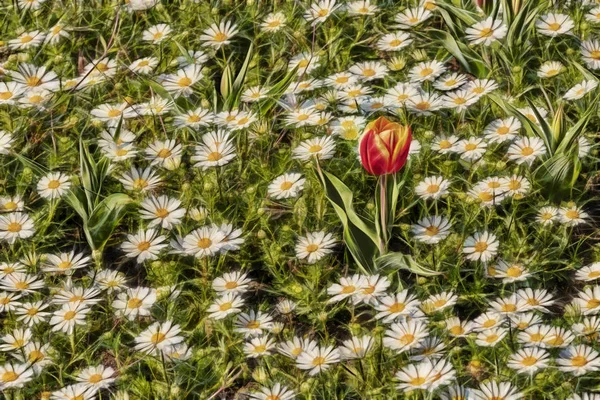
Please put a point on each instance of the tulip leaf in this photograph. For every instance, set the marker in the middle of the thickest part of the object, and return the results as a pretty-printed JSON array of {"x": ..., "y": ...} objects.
[
  {"x": 396, "y": 261},
  {"x": 359, "y": 234}
]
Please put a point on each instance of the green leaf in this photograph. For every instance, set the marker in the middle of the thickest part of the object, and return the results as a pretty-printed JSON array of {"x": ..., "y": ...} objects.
[
  {"x": 360, "y": 235},
  {"x": 396, "y": 261},
  {"x": 105, "y": 218}
]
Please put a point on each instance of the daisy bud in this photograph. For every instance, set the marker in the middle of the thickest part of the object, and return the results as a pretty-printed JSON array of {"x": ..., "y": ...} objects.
[
  {"x": 384, "y": 146},
  {"x": 260, "y": 375},
  {"x": 198, "y": 213},
  {"x": 261, "y": 234},
  {"x": 306, "y": 386},
  {"x": 205, "y": 104}
]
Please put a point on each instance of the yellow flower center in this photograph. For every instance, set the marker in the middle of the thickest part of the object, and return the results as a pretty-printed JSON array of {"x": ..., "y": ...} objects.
[
  {"x": 157, "y": 338},
  {"x": 486, "y": 32},
  {"x": 231, "y": 285},
  {"x": 527, "y": 151},
  {"x": 220, "y": 37},
  {"x": 9, "y": 376},
  {"x": 204, "y": 243},
  {"x": 579, "y": 361},
  {"x": 418, "y": 381},
  {"x": 432, "y": 230},
  {"x": 214, "y": 156},
  {"x": 397, "y": 308},
  {"x": 26, "y": 39},
  {"x": 33, "y": 81},
  {"x": 318, "y": 361},
  {"x": 143, "y": 246},
  {"x": 395, "y": 43},
  {"x": 368, "y": 72},
  {"x": 348, "y": 289},
  {"x": 470, "y": 146},
  {"x": 315, "y": 148},
  {"x": 287, "y": 185},
  {"x": 225, "y": 306},
  {"x": 572, "y": 214},
  {"x": 554, "y": 26},
  {"x": 407, "y": 339},
  {"x": 134, "y": 303},
  {"x": 480, "y": 247},
  {"x": 5, "y": 95},
  {"x": 14, "y": 227},
  {"x": 95, "y": 378},
  {"x": 253, "y": 325},
  {"x": 514, "y": 271},
  {"x": 426, "y": 72},
  {"x": 114, "y": 113},
  {"x": 69, "y": 315},
  {"x": 184, "y": 82}
]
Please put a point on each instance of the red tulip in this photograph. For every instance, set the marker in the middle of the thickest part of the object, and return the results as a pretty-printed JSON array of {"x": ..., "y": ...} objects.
[{"x": 384, "y": 146}]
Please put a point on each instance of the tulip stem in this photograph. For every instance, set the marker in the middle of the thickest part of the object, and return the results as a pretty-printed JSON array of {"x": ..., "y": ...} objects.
[{"x": 383, "y": 213}]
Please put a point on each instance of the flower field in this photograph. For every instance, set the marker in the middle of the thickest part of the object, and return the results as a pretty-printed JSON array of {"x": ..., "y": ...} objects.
[{"x": 299, "y": 199}]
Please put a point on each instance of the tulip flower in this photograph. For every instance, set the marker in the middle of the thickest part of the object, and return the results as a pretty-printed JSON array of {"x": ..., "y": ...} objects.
[{"x": 384, "y": 146}]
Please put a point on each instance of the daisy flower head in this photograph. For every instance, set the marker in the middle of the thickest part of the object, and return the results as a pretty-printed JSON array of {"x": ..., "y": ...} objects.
[
  {"x": 589, "y": 272},
  {"x": 135, "y": 302},
  {"x": 53, "y": 186},
  {"x": 314, "y": 246},
  {"x": 253, "y": 323},
  {"x": 361, "y": 7},
  {"x": 431, "y": 230},
  {"x": 157, "y": 33},
  {"x": 98, "y": 377},
  {"x": 432, "y": 187},
  {"x": 216, "y": 150},
  {"x": 304, "y": 62},
  {"x": 426, "y": 71},
  {"x": 412, "y": 17},
  {"x": 322, "y": 148},
  {"x": 486, "y": 32},
  {"x": 14, "y": 375},
  {"x": 571, "y": 215},
  {"x": 348, "y": 287},
  {"x": 235, "y": 282},
  {"x": 318, "y": 359},
  {"x": 275, "y": 392},
  {"x": 144, "y": 245},
  {"x": 493, "y": 390},
  {"x": 162, "y": 211},
  {"x": 578, "y": 360},
  {"x": 227, "y": 304},
  {"x": 158, "y": 337},
  {"x": 526, "y": 150},
  {"x": 27, "y": 40},
  {"x": 502, "y": 130},
  {"x": 590, "y": 52},
  {"x": 482, "y": 246},
  {"x": 204, "y": 242},
  {"x": 394, "y": 41},
  {"x": 553, "y": 24},
  {"x": 405, "y": 335},
  {"x": 68, "y": 317},
  {"x": 550, "y": 69},
  {"x": 369, "y": 70},
  {"x": 9, "y": 92},
  {"x": 450, "y": 82},
  {"x": 580, "y": 90},
  {"x": 321, "y": 10},
  {"x": 286, "y": 186},
  {"x": 181, "y": 82},
  {"x": 219, "y": 35},
  {"x": 471, "y": 149},
  {"x": 273, "y": 22},
  {"x": 15, "y": 226}
]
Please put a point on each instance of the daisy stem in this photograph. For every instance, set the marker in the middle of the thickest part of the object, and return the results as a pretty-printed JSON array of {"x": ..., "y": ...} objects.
[
  {"x": 164, "y": 365},
  {"x": 72, "y": 341}
]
